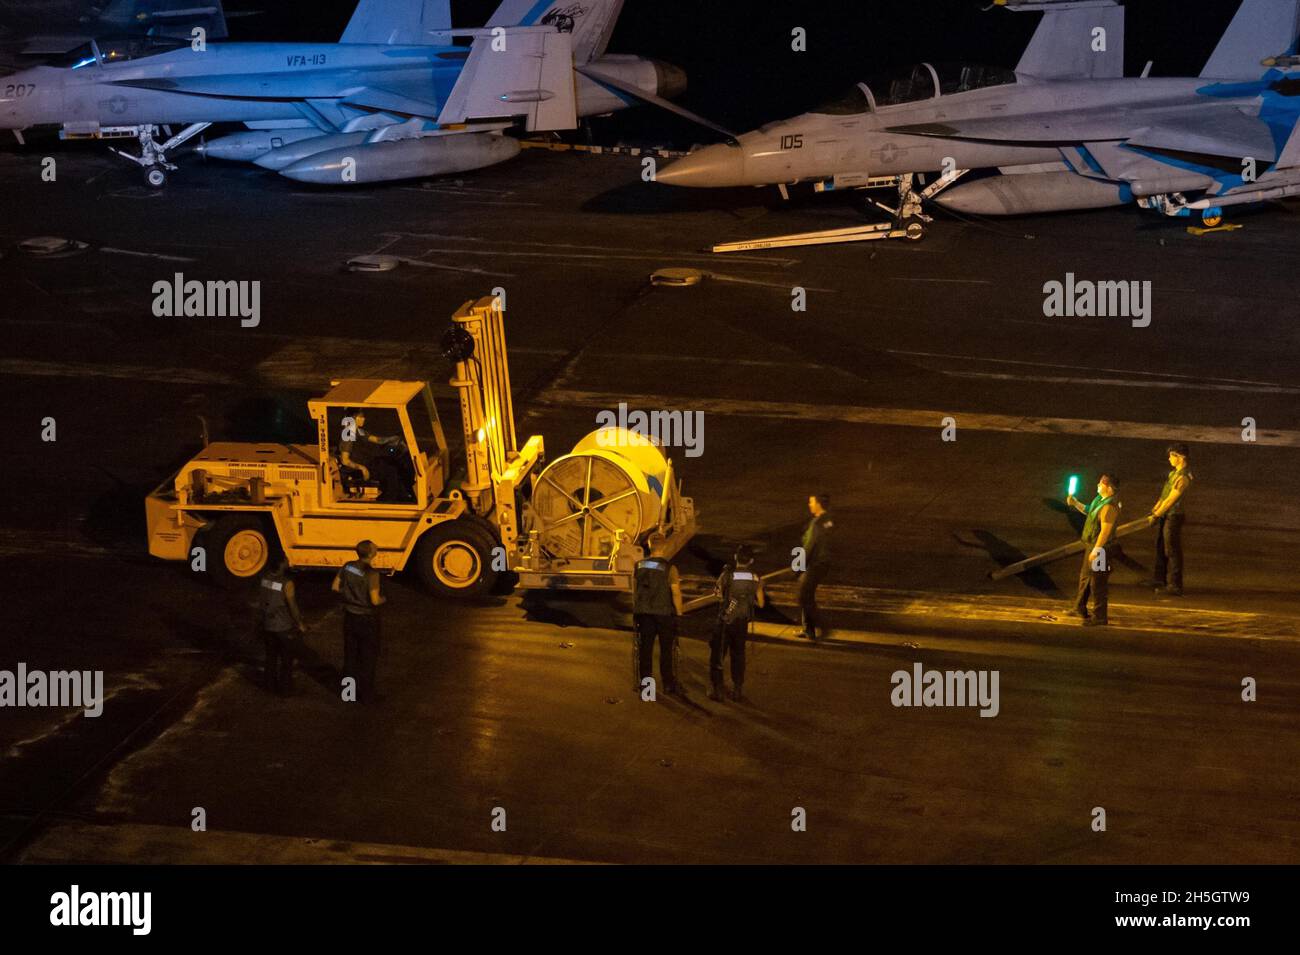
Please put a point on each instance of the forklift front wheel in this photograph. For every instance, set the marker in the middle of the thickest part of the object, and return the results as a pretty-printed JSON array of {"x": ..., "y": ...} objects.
[
  {"x": 455, "y": 559},
  {"x": 238, "y": 549}
]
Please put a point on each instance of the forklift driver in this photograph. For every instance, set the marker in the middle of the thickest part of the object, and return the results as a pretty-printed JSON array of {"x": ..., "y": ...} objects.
[{"x": 373, "y": 465}]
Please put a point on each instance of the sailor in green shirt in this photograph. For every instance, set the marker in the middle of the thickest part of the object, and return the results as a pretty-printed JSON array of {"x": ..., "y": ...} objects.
[
  {"x": 1168, "y": 516},
  {"x": 1098, "y": 531}
]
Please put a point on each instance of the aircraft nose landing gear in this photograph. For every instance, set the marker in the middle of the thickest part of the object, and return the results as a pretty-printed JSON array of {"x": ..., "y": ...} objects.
[
  {"x": 906, "y": 221},
  {"x": 153, "y": 154}
]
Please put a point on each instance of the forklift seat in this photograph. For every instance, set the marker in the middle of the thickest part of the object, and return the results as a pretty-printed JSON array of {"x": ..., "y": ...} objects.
[{"x": 348, "y": 483}]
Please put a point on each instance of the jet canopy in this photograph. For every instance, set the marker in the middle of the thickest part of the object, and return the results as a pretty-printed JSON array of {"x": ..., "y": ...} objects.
[
  {"x": 921, "y": 82},
  {"x": 117, "y": 50},
  {"x": 964, "y": 77}
]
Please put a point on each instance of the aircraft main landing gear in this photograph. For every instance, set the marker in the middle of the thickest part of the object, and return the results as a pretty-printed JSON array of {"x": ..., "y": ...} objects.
[{"x": 1176, "y": 205}]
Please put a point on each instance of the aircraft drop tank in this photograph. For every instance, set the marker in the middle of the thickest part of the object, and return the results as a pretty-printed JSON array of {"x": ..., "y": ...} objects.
[
  {"x": 290, "y": 153},
  {"x": 1033, "y": 192},
  {"x": 403, "y": 159},
  {"x": 253, "y": 144}
]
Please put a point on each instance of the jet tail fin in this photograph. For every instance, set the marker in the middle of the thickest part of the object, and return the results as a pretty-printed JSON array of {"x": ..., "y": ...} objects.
[
  {"x": 520, "y": 71},
  {"x": 591, "y": 22},
  {"x": 1261, "y": 29},
  {"x": 1077, "y": 39},
  {"x": 397, "y": 21}
]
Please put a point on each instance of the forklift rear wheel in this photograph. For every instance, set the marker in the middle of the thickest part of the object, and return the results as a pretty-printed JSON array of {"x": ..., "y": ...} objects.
[
  {"x": 238, "y": 549},
  {"x": 455, "y": 559}
]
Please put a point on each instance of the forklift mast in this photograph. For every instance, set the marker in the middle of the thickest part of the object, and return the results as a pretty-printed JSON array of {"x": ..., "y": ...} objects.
[{"x": 486, "y": 407}]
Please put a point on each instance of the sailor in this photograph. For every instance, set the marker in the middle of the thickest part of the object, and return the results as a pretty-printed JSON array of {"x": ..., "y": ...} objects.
[
  {"x": 1098, "y": 532},
  {"x": 281, "y": 627},
  {"x": 817, "y": 562},
  {"x": 656, "y": 601},
  {"x": 1168, "y": 516},
  {"x": 740, "y": 590},
  {"x": 357, "y": 582},
  {"x": 356, "y": 453}
]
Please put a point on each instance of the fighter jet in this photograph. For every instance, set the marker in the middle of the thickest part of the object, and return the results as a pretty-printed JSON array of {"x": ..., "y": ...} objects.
[
  {"x": 1064, "y": 130},
  {"x": 397, "y": 97}
]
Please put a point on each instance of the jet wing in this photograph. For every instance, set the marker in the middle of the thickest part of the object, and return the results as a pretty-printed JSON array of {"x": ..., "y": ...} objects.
[
  {"x": 1114, "y": 162},
  {"x": 1212, "y": 132},
  {"x": 138, "y": 18},
  {"x": 179, "y": 21},
  {"x": 48, "y": 45},
  {"x": 388, "y": 101}
]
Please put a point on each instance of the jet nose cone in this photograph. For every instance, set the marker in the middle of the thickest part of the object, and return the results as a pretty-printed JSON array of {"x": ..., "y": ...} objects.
[
  {"x": 712, "y": 166},
  {"x": 671, "y": 80},
  {"x": 323, "y": 169},
  {"x": 963, "y": 201}
]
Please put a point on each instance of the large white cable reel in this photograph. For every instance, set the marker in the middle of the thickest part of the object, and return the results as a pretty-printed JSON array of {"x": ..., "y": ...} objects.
[{"x": 613, "y": 481}]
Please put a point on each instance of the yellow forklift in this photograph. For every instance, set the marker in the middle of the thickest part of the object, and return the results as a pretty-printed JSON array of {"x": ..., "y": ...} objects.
[{"x": 579, "y": 523}]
